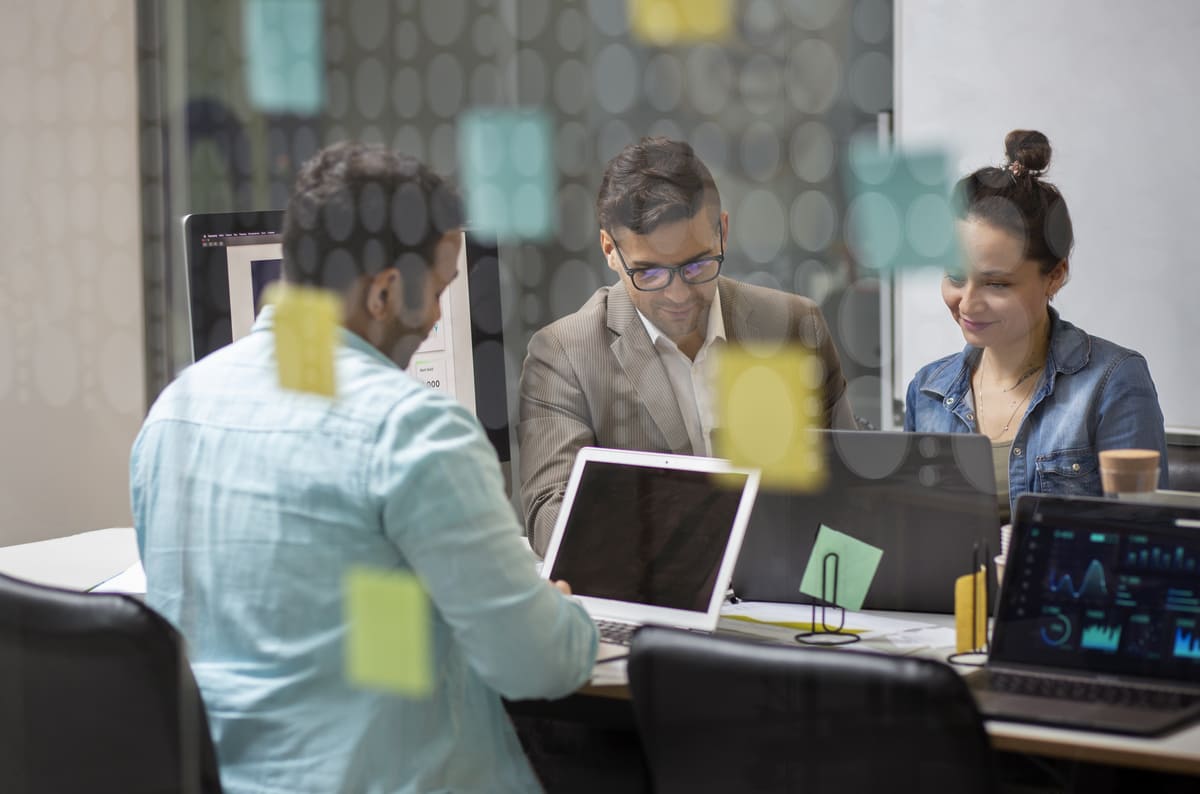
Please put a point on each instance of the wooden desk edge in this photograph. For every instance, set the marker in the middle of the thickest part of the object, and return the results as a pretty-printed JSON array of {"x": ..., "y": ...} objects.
[
  {"x": 1072, "y": 750},
  {"x": 612, "y": 691}
]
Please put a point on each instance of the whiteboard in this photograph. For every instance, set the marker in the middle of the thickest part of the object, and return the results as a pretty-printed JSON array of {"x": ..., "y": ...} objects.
[{"x": 1116, "y": 88}]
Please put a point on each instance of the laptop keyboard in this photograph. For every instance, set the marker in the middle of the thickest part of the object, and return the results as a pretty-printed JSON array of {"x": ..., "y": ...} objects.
[
  {"x": 1090, "y": 692},
  {"x": 615, "y": 632}
]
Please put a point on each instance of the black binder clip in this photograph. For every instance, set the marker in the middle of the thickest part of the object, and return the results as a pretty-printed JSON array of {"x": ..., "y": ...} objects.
[
  {"x": 829, "y": 635},
  {"x": 980, "y": 646}
]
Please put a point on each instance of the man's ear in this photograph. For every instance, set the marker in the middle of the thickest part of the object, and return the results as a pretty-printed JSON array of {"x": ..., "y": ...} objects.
[
  {"x": 724, "y": 228},
  {"x": 382, "y": 292},
  {"x": 608, "y": 247}
]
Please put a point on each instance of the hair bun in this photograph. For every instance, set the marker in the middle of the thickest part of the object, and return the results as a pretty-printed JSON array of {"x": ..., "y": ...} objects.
[{"x": 1030, "y": 148}]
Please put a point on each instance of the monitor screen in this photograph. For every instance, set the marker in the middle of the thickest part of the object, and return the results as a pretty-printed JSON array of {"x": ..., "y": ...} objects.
[
  {"x": 1088, "y": 593},
  {"x": 233, "y": 257},
  {"x": 647, "y": 535}
]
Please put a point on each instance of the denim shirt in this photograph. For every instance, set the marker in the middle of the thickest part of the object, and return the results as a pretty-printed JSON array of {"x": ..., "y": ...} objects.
[{"x": 1093, "y": 395}]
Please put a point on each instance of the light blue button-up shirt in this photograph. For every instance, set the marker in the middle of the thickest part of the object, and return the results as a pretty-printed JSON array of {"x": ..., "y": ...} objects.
[{"x": 250, "y": 502}]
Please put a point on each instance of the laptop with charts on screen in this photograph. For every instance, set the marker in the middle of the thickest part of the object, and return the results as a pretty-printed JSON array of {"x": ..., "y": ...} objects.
[{"x": 1098, "y": 624}]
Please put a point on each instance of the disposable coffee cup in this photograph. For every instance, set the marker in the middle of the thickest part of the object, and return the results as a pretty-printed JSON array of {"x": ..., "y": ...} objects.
[
  {"x": 1128, "y": 471},
  {"x": 1005, "y": 539}
]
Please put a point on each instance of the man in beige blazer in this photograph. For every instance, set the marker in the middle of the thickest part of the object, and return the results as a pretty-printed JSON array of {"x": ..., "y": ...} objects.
[{"x": 630, "y": 369}]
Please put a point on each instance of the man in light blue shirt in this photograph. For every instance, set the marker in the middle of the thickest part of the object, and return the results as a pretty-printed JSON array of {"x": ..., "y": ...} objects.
[{"x": 251, "y": 503}]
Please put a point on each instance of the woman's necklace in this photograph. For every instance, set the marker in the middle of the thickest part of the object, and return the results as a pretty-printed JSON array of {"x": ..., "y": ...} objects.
[
  {"x": 1024, "y": 377},
  {"x": 1016, "y": 403}
]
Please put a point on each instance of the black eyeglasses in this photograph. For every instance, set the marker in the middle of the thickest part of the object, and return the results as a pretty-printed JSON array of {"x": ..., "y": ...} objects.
[{"x": 652, "y": 279}]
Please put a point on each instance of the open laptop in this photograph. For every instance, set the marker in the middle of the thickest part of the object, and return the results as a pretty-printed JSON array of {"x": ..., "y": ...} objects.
[
  {"x": 926, "y": 499},
  {"x": 1099, "y": 618},
  {"x": 650, "y": 538}
]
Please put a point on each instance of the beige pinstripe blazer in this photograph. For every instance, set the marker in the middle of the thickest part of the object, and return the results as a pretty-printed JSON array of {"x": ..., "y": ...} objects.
[{"x": 593, "y": 378}]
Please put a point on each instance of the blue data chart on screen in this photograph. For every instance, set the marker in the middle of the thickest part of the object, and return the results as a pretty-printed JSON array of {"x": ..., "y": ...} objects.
[
  {"x": 1081, "y": 567},
  {"x": 1131, "y": 599},
  {"x": 1161, "y": 558},
  {"x": 1187, "y": 640}
]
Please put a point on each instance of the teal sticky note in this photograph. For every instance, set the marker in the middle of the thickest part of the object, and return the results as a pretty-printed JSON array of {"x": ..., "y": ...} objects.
[
  {"x": 284, "y": 58},
  {"x": 901, "y": 213},
  {"x": 506, "y": 159},
  {"x": 856, "y": 566}
]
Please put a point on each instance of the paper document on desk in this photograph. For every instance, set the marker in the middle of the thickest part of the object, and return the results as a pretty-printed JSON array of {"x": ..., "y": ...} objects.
[
  {"x": 131, "y": 581},
  {"x": 759, "y": 617},
  {"x": 939, "y": 637}
]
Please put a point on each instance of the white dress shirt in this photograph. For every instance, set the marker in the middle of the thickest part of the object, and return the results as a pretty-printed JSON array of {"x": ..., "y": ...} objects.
[{"x": 691, "y": 380}]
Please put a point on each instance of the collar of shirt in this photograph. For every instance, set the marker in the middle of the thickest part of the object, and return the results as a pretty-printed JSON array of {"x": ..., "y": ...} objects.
[
  {"x": 716, "y": 325},
  {"x": 266, "y": 322}
]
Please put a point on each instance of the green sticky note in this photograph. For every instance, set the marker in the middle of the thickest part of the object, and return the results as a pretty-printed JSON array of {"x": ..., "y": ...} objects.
[
  {"x": 901, "y": 214},
  {"x": 856, "y": 566},
  {"x": 284, "y": 59},
  {"x": 388, "y": 646},
  {"x": 507, "y": 162}
]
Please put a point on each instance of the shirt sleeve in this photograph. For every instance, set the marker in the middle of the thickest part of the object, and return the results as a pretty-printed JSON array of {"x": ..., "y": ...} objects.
[
  {"x": 1129, "y": 414},
  {"x": 444, "y": 506},
  {"x": 555, "y": 424}
]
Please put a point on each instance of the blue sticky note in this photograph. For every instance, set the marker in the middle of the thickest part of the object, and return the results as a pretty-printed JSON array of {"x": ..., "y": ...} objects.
[
  {"x": 507, "y": 164},
  {"x": 853, "y": 561},
  {"x": 901, "y": 214},
  {"x": 284, "y": 59}
]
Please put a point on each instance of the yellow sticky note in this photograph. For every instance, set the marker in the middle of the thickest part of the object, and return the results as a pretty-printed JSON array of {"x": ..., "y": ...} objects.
[
  {"x": 970, "y": 599},
  {"x": 389, "y": 645},
  {"x": 664, "y": 22},
  {"x": 768, "y": 399},
  {"x": 306, "y": 334}
]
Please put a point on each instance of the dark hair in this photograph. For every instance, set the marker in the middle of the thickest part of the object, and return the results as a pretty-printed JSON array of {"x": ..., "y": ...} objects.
[
  {"x": 652, "y": 182},
  {"x": 358, "y": 209},
  {"x": 1016, "y": 198}
]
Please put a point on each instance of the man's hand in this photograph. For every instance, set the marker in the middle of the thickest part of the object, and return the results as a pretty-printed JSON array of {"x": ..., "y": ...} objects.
[{"x": 563, "y": 586}]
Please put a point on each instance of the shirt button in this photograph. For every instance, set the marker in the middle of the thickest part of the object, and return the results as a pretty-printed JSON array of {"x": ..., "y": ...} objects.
[
  {"x": 1074, "y": 467},
  {"x": 949, "y": 401},
  {"x": 970, "y": 416},
  {"x": 1017, "y": 451}
]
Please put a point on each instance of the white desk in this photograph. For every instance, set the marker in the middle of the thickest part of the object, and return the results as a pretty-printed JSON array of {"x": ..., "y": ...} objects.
[{"x": 76, "y": 562}]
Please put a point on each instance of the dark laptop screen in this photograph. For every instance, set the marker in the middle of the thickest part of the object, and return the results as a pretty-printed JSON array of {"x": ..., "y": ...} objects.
[
  {"x": 1113, "y": 594},
  {"x": 648, "y": 535}
]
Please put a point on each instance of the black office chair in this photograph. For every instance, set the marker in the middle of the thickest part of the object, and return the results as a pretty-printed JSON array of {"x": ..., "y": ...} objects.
[
  {"x": 96, "y": 695},
  {"x": 722, "y": 715},
  {"x": 1183, "y": 461}
]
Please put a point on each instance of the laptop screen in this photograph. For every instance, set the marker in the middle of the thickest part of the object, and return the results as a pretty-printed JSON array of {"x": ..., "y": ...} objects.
[
  {"x": 648, "y": 535},
  {"x": 1103, "y": 588}
]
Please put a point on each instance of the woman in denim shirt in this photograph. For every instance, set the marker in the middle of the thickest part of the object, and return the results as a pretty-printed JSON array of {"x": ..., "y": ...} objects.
[{"x": 1049, "y": 395}]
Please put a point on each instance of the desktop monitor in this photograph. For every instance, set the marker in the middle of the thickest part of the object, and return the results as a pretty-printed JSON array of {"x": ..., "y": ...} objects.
[{"x": 232, "y": 257}]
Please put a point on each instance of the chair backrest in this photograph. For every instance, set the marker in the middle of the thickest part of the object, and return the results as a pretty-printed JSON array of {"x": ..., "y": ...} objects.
[
  {"x": 1183, "y": 461},
  {"x": 721, "y": 714},
  {"x": 96, "y": 695}
]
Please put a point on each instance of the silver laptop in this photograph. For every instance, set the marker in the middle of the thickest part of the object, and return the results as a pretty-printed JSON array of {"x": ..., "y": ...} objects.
[
  {"x": 650, "y": 538},
  {"x": 1098, "y": 624}
]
